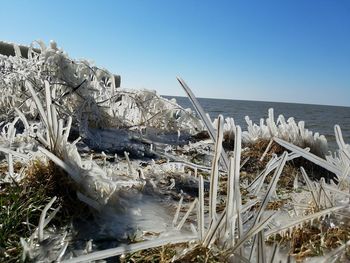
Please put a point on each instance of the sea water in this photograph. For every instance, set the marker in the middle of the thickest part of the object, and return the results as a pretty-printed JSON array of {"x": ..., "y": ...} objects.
[{"x": 318, "y": 118}]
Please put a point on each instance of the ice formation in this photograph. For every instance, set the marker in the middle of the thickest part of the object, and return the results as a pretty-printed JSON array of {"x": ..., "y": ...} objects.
[
  {"x": 289, "y": 130},
  {"x": 47, "y": 94}
]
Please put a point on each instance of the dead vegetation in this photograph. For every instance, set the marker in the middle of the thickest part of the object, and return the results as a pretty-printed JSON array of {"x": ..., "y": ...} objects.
[
  {"x": 313, "y": 240},
  {"x": 20, "y": 210},
  {"x": 232, "y": 200},
  {"x": 55, "y": 182},
  {"x": 21, "y": 204},
  {"x": 168, "y": 253}
]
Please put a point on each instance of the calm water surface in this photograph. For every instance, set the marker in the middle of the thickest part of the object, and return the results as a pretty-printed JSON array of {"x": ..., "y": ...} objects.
[{"x": 318, "y": 118}]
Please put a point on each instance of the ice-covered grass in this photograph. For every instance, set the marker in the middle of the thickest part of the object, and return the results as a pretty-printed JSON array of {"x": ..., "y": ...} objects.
[
  {"x": 269, "y": 128},
  {"x": 86, "y": 93},
  {"x": 218, "y": 210}
]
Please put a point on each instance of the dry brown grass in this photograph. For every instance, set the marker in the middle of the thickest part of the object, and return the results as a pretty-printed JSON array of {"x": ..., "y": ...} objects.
[
  {"x": 166, "y": 253},
  {"x": 24, "y": 201},
  {"x": 16, "y": 167},
  {"x": 46, "y": 175},
  {"x": 313, "y": 239}
]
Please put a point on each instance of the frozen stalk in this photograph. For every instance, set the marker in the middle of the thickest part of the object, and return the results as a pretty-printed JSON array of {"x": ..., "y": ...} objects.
[
  {"x": 204, "y": 117},
  {"x": 214, "y": 177},
  {"x": 201, "y": 229},
  {"x": 266, "y": 150},
  {"x": 177, "y": 213},
  {"x": 183, "y": 220},
  {"x": 42, "y": 219},
  {"x": 131, "y": 248},
  {"x": 233, "y": 203},
  {"x": 97, "y": 187},
  {"x": 230, "y": 204},
  {"x": 131, "y": 170}
]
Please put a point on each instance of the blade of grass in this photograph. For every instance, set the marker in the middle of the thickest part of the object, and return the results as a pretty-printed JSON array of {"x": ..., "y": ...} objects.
[
  {"x": 215, "y": 170},
  {"x": 230, "y": 203},
  {"x": 309, "y": 156},
  {"x": 75, "y": 176},
  {"x": 23, "y": 119},
  {"x": 253, "y": 231},
  {"x": 310, "y": 186},
  {"x": 340, "y": 141},
  {"x": 271, "y": 188},
  {"x": 237, "y": 159},
  {"x": 37, "y": 103},
  {"x": 103, "y": 254},
  {"x": 302, "y": 220},
  {"x": 42, "y": 219},
  {"x": 266, "y": 150},
  {"x": 270, "y": 191},
  {"x": 14, "y": 153},
  {"x": 177, "y": 213},
  {"x": 204, "y": 118},
  {"x": 201, "y": 222},
  {"x": 274, "y": 252},
  {"x": 214, "y": 229},
  {"x": 183, "y": 220},
  {"x": 261, "y": 247},
  {"x": 50, "y": 134}
]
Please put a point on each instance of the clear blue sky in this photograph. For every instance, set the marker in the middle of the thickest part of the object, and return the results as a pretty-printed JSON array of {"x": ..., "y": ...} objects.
[{"x": 290, "y": 50}]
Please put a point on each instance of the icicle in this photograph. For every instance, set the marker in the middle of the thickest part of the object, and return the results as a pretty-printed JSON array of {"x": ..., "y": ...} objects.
[
  {"x": 131, "y": 170},
  {"x": 104, "y": 160}
]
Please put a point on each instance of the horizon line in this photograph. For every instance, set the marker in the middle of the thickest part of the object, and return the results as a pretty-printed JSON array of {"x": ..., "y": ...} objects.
[{"x": 286, "y": 102}]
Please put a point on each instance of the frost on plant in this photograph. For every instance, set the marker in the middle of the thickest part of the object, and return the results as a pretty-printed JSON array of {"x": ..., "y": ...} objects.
[
  {"x": 195, "y": 195},
  {"x": 88, "y": 94}
]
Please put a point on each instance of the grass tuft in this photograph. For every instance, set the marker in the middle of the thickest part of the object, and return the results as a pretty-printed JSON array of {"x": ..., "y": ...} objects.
[
  {"x": 21, "y": 205},
  {"x": 20, "y": 210}
]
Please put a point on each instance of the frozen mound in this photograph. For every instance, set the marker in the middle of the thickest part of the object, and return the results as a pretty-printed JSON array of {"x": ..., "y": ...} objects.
[
  {"x": 88, "y": 94},
  {"x": 79, "y": 87},
  {"x": 290, "y": 131},
  {"x": 140, "y": 109}
]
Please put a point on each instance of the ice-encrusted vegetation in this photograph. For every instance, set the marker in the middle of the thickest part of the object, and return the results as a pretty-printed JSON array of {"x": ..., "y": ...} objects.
[
  {"x": 88, "y": 94},
  {"x": 217, "y": 201},
  {"x": 290, "y": 131}
]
